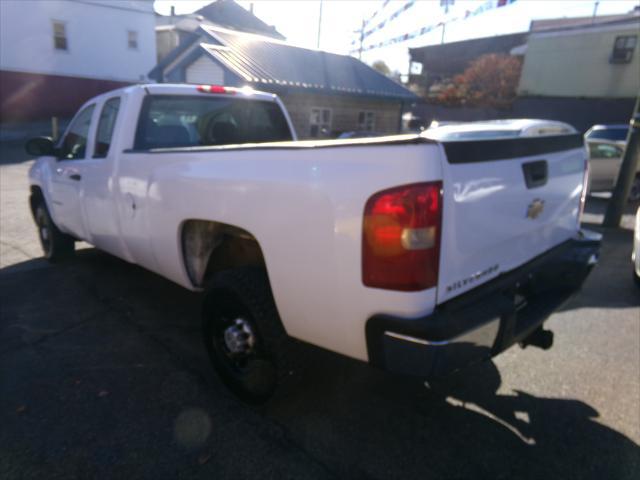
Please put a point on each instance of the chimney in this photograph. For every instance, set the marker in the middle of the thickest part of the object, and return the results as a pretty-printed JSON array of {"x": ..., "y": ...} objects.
[
  {"x": 251, "y": 7},
  {"x": 173, "y": 10}
]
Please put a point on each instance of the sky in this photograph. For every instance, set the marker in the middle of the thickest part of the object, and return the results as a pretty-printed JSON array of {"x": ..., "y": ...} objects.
[{"x": 298, "y": 21}]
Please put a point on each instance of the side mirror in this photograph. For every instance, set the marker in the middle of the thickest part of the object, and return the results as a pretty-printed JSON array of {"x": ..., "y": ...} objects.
[{"x": 40, "y": 146}]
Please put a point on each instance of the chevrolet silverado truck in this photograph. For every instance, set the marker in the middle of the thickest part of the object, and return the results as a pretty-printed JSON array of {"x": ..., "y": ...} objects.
[{"x": 414, "y": 254}]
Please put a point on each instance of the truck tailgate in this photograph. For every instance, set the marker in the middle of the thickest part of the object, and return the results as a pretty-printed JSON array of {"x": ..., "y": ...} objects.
[{"x": 504, "y": 203}]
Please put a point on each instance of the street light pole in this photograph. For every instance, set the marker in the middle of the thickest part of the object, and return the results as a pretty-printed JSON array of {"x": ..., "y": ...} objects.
[{"x": 627, "y": 173}]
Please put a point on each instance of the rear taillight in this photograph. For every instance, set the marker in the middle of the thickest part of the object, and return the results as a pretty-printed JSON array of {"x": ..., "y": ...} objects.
[{"x": 401, "y": 237}]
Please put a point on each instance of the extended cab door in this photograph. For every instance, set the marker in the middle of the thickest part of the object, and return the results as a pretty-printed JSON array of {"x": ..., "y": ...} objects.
[
  {"x": 97, "y": 187},
  {"x": 67, "y": 174}
]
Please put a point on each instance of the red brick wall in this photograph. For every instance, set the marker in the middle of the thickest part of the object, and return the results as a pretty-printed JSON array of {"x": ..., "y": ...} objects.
[{"x": 31, "y": 96}]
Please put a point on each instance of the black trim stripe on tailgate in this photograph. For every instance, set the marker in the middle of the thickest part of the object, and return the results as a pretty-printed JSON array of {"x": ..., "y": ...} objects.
[{"x": 504, "y": 149}]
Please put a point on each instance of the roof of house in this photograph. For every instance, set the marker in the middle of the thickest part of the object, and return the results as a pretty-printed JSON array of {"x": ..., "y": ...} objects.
[
  {"x": 225, "y": 13},
  {"x": 264, "y": 61},
  {"x": 269, "y": 64},
  {"x": 229, "y": 14}
]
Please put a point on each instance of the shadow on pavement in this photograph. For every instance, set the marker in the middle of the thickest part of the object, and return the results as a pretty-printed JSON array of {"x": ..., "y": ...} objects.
[
  {"x": 104, "y": 375},
  {"x": 368, "y": 424}
]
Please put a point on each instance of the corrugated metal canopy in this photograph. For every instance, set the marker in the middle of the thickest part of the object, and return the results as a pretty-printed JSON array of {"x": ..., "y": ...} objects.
[{"x": 263, "y": 61}]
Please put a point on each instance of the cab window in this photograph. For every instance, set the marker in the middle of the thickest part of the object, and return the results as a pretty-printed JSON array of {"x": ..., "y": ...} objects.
[
  {"x": 74, "y": 144},
  {"x": 105, "y": 127},
  {"x": 184, "y": 121}
]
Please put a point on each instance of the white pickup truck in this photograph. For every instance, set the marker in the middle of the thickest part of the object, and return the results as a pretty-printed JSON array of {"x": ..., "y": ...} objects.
[{"x": 415, "y": 255}]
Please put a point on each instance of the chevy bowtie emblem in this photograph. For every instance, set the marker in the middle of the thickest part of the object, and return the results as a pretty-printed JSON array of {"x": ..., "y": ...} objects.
[{"x": 535, "y": 208}]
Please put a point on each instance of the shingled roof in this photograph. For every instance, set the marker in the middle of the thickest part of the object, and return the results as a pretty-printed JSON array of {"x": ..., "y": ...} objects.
[{"x": 228, "y": 14}]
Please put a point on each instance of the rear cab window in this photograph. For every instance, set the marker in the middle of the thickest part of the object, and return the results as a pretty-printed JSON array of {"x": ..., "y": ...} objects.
[{"x": 168, "y": 121}]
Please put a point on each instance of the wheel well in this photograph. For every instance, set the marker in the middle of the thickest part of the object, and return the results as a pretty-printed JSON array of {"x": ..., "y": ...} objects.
[{"x": 209, "y": 247}]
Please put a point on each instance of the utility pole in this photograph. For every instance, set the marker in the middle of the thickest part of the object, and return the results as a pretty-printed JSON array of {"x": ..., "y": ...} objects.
[
  {"x": 319, "y": 25},
  {"x": 627, "y": 174}
]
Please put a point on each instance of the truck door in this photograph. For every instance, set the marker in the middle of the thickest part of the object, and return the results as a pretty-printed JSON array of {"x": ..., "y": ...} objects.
[
  {"x": 66, "y": 179},
  {"x": 97, "y": 187}
]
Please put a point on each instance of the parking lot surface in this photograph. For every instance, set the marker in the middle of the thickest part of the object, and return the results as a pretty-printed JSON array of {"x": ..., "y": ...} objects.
[{"x": 103, "y": 375}]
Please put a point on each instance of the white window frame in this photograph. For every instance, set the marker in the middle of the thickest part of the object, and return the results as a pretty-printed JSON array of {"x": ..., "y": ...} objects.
[
  {"x": 317, "y": 119},
  {"x": 368, "y": 124},
  {"x": 132, "y": 35},
  {"x": 65, "y": 35}
]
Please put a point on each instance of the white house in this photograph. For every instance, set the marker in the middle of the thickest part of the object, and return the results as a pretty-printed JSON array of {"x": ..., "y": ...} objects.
[{"x": 55, "y": 54}]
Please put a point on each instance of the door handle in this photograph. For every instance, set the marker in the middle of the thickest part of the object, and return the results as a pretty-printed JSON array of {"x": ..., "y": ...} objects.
[{"x": 75, "y": 176}]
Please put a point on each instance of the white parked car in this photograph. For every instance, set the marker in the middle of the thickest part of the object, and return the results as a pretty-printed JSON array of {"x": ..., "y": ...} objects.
[
  {"x": 415, "y": 255},
  {"x": 605, "y": 159}
]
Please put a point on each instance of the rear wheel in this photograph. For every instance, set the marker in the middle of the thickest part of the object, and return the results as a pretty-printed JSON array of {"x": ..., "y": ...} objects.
[
  {"x": 243, "y": 335},
  {"x": 56, "y": 245}
]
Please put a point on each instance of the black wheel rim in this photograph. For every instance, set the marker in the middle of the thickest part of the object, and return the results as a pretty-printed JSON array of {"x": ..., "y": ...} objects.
[
  {"x": 252, "y": 375},
  {"x": 237, "y": 362}
]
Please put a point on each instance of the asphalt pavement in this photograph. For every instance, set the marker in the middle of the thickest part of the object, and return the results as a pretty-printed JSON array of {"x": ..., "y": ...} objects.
[{"x": 103, "y": 375}]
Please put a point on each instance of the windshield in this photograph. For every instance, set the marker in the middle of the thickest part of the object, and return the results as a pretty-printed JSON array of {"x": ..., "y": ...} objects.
[
  {"x": 185, "y": 121},
  {"x": 615, "y": 134}
]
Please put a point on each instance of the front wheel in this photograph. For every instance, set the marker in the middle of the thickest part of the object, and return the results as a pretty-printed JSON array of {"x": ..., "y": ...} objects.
[
  {"x": 56, "y": 245},
  {"x": 243, "y": 335}
]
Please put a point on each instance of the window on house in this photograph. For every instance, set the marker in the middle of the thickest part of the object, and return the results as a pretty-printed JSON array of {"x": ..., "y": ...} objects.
[
  {"x": 366, "y": 121},
  {"x": 320, "y": 122},
  {"x": 59, "y": 35},
  {"x": 623, "y": 48},
  {"x": 132, "y": 40},
  {"x": 105, "y": 127}
]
